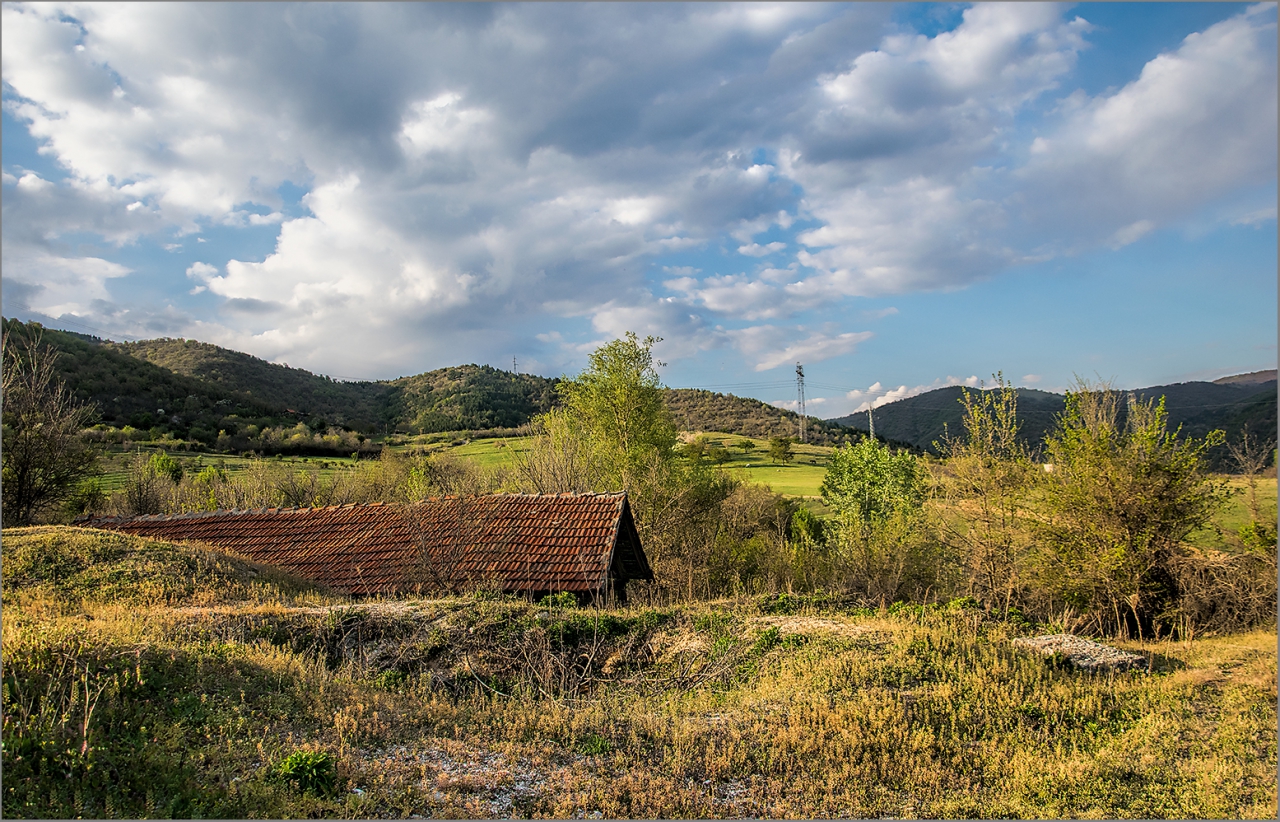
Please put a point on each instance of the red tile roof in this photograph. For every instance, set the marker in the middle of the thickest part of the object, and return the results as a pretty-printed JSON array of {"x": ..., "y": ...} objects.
[{"x": 520, "y": 542}]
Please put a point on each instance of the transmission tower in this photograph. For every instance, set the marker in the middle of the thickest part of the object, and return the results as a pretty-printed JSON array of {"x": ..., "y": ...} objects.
[{"x": 800, "y": 396}]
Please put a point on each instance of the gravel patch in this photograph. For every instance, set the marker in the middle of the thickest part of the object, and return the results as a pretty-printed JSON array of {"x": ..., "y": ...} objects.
[{"x": 1082, "y": 653}]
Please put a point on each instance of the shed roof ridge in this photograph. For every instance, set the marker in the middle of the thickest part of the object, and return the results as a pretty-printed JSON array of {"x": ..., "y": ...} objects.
[{"x": 612, "y": 495}]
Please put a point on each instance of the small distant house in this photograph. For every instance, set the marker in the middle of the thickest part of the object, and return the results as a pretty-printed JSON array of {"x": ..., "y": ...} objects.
[{"x": 533, "y": 544}]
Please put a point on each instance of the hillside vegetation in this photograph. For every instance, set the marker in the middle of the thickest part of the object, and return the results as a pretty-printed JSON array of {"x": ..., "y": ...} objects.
[
  {"x": 483, "y": 706},
  {"x": 128, "y": 391},
  {"x": 1198, "y": 407},
  {"x": 203, "y": 390},
  {"x": 698, "y": 410},
  {"x": 358, "y": 405}
]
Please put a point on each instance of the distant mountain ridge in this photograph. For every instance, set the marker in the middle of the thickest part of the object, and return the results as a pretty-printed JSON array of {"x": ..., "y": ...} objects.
[
  {"x": 1230, "y": 404},
  {"x": 1252, "y": 378},
  {"x": 196, "y": 390}
]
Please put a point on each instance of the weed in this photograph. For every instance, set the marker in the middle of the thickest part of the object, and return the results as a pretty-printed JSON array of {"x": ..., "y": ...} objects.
[
  {"x": 309, "y": 771},
  {"x": 594, "y": 745}
]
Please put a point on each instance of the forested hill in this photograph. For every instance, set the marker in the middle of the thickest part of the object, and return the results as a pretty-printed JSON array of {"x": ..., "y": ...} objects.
[
  {"x": 130, "y": 391},
  {"x": 194, "y": 390},
  {"x": 927, "y": 418},
  {"x": 447, "y": 399},
  {"x": 467, "y": 396},
  {"x": 1198, "y": 407},
  {"x": 358, "y": 405},
  {"x": 698, "y": 410}
]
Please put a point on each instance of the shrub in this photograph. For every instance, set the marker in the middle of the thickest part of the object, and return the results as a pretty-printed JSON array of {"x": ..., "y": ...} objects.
[{"x": 1123, "y": 495}]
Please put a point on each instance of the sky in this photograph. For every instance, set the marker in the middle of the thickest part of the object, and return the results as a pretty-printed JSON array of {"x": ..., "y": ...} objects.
[{"x": 897, "y": 196}]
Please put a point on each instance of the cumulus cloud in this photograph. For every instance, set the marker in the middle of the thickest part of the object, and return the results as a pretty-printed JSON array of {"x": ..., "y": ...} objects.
[
  {"x": 757, "y": 250},
  {"x": 56, "y": 285},
  {"x": 1196, "y": 124},
  {"x": 478, "y": 173}
]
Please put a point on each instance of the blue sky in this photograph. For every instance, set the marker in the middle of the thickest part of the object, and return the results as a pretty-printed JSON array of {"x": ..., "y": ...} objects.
[{"x": 900, "y": 196}]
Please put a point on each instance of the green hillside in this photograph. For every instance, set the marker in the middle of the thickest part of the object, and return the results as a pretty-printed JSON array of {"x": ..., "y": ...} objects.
[
  {"x": 927, "y": 418},
  {"x": 466, "y": 397},
  {"x": 356, "y": 405},
  {"x": 195, "y": 391},
  {"x": 698, "y": 410},
  {"x": 1198, "y": 407},
  {"x": 132, "y": 392},
  {"x": 447, "y": 399}
]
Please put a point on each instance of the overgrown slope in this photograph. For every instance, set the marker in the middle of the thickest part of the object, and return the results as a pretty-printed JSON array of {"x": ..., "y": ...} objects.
[
  {"x": 130, "y": 391},
  {"x": 480, "y": 706},
  {"x": 74, "y": 566},
  {"x": 467, "y": 397}
]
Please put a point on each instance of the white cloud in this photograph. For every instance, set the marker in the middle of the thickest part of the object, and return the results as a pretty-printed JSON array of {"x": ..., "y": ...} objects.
[
  {"x": 769, "y": 346},
  {"x": 1131, "y": 233},
  {"x": 1199, "y": 122},
  {"x": 476, "y": 172},
  {"x": 757, "y": 250},
  {"x": 1256, "y": 217},
  {"x": 56, "y": 285},
  {"x": 876, "y": 395}
]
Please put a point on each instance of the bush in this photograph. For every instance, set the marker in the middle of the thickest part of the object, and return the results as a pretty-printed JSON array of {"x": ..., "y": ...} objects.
[{"x": 1123, "y": 495}]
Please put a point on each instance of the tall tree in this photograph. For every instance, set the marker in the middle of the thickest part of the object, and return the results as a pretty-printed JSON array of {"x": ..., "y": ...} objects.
[
  {"x": 618, "y": 399},
  {"x": 45, "y": 456},
  {"x": 885, "y": 540}
]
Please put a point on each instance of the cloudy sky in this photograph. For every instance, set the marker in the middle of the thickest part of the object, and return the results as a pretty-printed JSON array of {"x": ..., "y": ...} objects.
[{"x": 899, "y": 196}]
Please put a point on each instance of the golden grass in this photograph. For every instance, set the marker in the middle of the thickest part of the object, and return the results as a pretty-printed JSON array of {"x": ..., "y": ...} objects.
[{"x": 711, "y": 710}]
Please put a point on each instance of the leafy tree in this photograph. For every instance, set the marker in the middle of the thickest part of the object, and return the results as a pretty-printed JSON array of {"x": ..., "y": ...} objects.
[
  {"x": 746, "y": 446},
  {"x": 165, "y": 465},
  {"x": 867, "y": 484},
  {"x": 696, "y": 449},
  {"x": 615, "y": 433},
  {"x": 618, "y": 399},
  {"x": 1119, "y": 500},
  {"x": 1251, "y": 455},
  {"x": 780, "y": 449},
  {"x": 885, "y": 538},
  {"x": 45, "y": 456}
]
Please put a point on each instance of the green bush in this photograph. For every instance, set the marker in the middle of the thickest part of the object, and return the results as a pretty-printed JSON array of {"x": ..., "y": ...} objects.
[
  {"x": 564, "y": 599},
  {"x": 313, "y": 772}
]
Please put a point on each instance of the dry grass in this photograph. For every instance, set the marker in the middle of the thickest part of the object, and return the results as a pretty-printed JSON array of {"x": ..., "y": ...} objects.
[{"x": 439, "y": 708}]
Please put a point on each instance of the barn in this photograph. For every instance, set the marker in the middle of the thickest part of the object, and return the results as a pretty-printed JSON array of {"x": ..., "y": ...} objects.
[{"x": 532, "y": 544}]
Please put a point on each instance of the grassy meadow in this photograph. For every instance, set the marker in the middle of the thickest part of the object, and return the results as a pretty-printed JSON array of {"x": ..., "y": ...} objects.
[{"x": 147, "y": 679}]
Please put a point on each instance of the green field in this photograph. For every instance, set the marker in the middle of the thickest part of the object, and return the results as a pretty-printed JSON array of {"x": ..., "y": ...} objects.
[{"x": 115, "y": 464}]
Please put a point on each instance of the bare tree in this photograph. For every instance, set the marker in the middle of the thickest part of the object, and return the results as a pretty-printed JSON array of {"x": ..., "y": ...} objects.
[
  {"x": 45, "y": 455},
  {"x": 442, "y": 534},
  {"x": 1251, "y": 456}
]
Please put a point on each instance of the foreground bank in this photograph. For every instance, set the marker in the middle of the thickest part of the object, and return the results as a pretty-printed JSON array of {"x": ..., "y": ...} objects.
[{"x": 147, "y": 679}]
